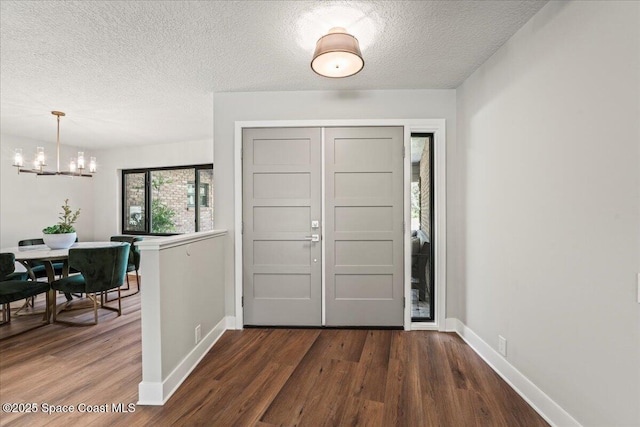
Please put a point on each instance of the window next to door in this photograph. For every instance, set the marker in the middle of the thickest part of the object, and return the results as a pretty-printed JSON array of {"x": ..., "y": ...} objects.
[
  {"x": 162, "y": 201},
  {"x": 422, "y": 205}
]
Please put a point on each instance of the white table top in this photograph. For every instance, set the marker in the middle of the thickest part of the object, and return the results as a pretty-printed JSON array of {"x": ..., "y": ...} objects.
[{"x": 43, "y": 252}]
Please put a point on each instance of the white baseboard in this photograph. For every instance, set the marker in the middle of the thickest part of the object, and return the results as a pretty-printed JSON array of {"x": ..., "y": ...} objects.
[
  {"x": 231, "y": 322},
  {"x": 157, "y": 393},
  {"x": 543, "y": 404}
]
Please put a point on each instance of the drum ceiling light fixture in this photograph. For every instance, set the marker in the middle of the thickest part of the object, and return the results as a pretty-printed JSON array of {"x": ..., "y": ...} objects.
[
  {"x": 77, "y": 165},
  {"x": 337, "y": 55}
]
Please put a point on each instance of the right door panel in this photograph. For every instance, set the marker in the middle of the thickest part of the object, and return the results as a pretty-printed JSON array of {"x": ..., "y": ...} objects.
[{"x": 363, "y": 226}]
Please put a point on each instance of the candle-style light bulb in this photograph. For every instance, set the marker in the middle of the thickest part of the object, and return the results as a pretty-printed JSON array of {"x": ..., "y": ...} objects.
[
  {"x": 17, "y": 158},
  {"x": 80, "y": 160},
  {"x": 92, "y": 165},
  {"x": 40, "y": 155},
  {"x": 72, "y": 164}
]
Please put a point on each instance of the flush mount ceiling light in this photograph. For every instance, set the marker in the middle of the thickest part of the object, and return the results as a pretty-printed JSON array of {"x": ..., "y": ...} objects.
[
  {"x": 337, "y": 55},
  {"x": 76, "y": 165}
]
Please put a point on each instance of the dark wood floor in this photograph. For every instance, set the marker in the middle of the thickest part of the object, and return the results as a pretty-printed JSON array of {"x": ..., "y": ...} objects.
[{"x": 261, "y": 377}]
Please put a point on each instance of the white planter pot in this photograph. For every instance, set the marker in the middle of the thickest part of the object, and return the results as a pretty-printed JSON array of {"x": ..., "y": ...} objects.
[{"x": 59, "y": 241}]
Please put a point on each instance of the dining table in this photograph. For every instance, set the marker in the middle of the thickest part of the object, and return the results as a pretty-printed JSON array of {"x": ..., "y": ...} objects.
[{"x": 47, "y": 256}]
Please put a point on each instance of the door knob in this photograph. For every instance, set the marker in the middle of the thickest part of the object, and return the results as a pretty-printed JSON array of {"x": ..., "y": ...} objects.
[{"x": 313, "y": 238}]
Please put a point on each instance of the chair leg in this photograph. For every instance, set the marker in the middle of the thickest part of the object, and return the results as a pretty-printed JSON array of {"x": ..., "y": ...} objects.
[
  {"x": 6, "y": 313},
  {"x": 119, "y": 303},
  {"x": 25, "y": 305},
  {"x": 106, "y": 300},
  {"x": 127, "y": 288},
  {"x": 47, "y": 313},
  {"x": 95, "y": 306},
  {"x": 137, "y": 281},
  {"x": 127, "y": 276}
]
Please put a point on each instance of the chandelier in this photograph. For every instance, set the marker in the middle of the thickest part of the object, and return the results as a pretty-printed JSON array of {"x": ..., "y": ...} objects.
[{"x": 77, "y": 166}]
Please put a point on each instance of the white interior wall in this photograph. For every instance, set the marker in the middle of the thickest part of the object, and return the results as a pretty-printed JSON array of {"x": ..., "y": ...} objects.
[
  {"x": 550, "y": 171},
  {"x": 170, "y": 318},
  {"x": 111, "y": 162},
  {"x": 315, "y": 105},
  {"x": 29, "y": 203}
]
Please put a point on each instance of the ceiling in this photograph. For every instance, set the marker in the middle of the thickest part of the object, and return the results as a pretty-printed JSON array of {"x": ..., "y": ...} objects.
[{"x": 144, "y": 72}]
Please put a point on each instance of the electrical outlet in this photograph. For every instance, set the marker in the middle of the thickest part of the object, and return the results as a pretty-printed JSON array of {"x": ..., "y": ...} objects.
[
  {"x": 502, "y": 345},
  {"x": 198, "y": 334}
]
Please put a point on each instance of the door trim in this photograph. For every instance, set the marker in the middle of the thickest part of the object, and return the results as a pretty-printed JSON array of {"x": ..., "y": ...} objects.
[
  {"x": 434, "y": 126},
  {"x": 323, "y": 222}
]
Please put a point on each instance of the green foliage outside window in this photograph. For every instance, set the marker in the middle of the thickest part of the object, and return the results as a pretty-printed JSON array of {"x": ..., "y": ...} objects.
[{"x": 162, "y": 216}]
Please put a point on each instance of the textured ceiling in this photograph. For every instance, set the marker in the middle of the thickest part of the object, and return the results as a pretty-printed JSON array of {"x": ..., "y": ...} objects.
[{"x": 143, "y": 72}]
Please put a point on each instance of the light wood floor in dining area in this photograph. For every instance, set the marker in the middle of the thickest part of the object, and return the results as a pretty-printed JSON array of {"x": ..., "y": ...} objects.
[{"x": 260, "y": 377}]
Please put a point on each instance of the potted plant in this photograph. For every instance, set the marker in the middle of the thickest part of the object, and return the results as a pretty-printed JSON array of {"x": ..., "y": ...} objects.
[{"x": 62, "y": 235}]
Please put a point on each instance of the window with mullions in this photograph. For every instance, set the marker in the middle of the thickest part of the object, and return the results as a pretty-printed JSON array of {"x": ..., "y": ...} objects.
[
  {"x": 164, "y": 201},
  {"x": 203, "y": 194}
]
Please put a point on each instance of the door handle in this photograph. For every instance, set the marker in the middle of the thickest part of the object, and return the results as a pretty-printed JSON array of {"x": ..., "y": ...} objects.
[{"x": 313, "y": 238}]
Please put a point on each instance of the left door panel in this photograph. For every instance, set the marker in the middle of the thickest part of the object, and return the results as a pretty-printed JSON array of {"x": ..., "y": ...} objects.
[{"x": 281, "y": 197}]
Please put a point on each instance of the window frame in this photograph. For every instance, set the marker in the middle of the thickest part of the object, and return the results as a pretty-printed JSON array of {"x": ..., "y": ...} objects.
[
  {"x": 147, "y": 197},
  {"x": 197, "y": 194},
  {"x": 432, "y": 285}
]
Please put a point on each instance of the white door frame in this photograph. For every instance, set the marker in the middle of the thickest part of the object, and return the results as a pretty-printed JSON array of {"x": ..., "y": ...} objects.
[{"x": 434, "y": 126}]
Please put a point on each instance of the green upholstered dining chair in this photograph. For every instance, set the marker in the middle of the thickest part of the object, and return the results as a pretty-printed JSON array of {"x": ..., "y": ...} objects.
[
  {"x": 15, "y": 275},
  {"x": 101, "y": 269},
  {"x": 134, "y": 258},
  {"x": 13, "y": 290}
]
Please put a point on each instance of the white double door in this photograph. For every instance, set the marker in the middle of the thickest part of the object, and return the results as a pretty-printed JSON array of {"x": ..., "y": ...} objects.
[{"x": 323, "y": 226}]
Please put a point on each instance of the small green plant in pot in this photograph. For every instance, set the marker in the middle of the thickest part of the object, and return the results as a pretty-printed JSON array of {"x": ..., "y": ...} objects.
[{"x": 62, "y": 235}]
